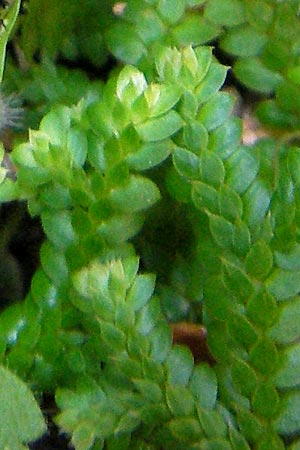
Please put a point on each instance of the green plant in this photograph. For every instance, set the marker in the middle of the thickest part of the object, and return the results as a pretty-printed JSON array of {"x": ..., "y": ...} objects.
[{"x": 155, "y": 156}]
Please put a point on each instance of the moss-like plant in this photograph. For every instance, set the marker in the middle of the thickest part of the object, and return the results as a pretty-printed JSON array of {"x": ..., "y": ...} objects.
[{"x": 154, "y": 211}]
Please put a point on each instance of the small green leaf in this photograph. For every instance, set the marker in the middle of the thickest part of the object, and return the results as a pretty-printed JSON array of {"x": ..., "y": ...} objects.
[
  {"x": 212, "y": 82},
  {"x": 194, "y": 29},
  {"x": 43, "y": 291},
  {"x": 179, "y": 365},
  {"x": 263, "y": 356},
  {"x": 205, "y": 197},
  {"x": 160, "y": 128},
  {"x": 141, "y": 291},
  {"x": 229, "y": 13},
  {"x": 149, "y": 390},
  {"x": 138, "y": 194},
  {"x": 178, "y": 186},
  {"x": 84, "y": 435},
  {"x": 78, "y": 146},
  {"x": 161, "y": 98},
  {"x": 180, "y": 401},
  {"x": 288, "y": 376},
  {"x": 186, "y": 163},
  {"x": 148, "y": 317},
  {"x": 259, "y": 260},
  {"x": 243, "y": 377},
  {"x": 241, "y": 329},
  {"x": 211, "y": 169},
  {"x": 195, "y": 136},
  {"x": 120, "y": 228},
  {"x": 171, "y": 12},
  {"x": 221, "y": 230},
  {"x": 224, "y": 139},
  {"x": 161, "y": 342},
  {"x": 230, "y": 204},
  {"x": 262, "y": 309},
  {"x": 124, "y": 43},
  {"x": 186, "y": 429},
  {"x": 203, "y": 385},
  {"x": 216, "y": 110},
  {"x": 150, "y": 155},
  {"x": 237, "y": 41},
  {"x": 241, "y": 169},
  {"x": 212, "y": 423},
  {"x": 249, "y": 425},
  {"x": 286, "y": 329},
  {"x": 21, "y": 418},
  {"x": 217, "y": 299},
  {"x": 58, "y": 228},
  {"x": 131, "y": 83},
  {"x": 56, "y": 124},
  {"x": 289, "y": 261},
  {"x": 112, "y": 337},
  {"x": 288, "y": 421},
  {"x": 284, "y": 284},
  {"x": 265, "y": 400},
  {"x": 257, "y": 203},
  {"x": 251, "y": 72},
  {"x": 241, "y": 238}
]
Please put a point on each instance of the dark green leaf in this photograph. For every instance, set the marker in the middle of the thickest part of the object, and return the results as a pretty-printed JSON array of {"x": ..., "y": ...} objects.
[
  {"x": 180, "y": 365},
  {"x": 227, "y": 13},
  {"x": 138, "y": 194},
  {"x": 265, "y": 400},
  {"x": 203, "y": 385},
  {"x": 284, "y": 284},
  {"x": 230, "y": 204},
  {"x": 216, "y": 110},
  {"x": 186, "y": 429},
  {"x": 150, "y": 155},
  {"x": 256, "y": 203},
  {"x": 224, "y": 139},
  {"x": 180, "y": 401},
  {"x": 288, "y": 376},
  {"x": 241, "y": 169},
  {"x": 286, "y": 329},
  {"x": 263, "y": 356},
  {"x": 171, "y": 12},
  {"x": 251, "y": 72},
  {"x": 243, "y": 377},
  {"x": 221, "y": 230},
  {"x": 211, "y": 169},
  {"x": 124, "y": 43},
  {"x": 195, "y": 29},
  {"x": 262, "y": 309},
  {"x": 160, "y": 128},
  {"x": 195, "y": 136},
  {"x": 288, "y": 421},
  {"x": 237, "y": 41},
  {"x": 186, "y": 163},
  {"x": 259, "y": 260},
  {"x": 205, "y": 197}
]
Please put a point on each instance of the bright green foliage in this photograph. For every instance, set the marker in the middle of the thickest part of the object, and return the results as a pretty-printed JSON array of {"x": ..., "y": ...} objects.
[
  {"x": 21, "y": 418},
  {"x": 152, "y": 166}
]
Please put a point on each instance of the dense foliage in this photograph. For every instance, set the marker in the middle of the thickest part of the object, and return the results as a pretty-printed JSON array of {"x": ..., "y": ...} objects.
[{"x": 154, "y": 212}]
